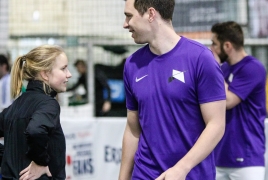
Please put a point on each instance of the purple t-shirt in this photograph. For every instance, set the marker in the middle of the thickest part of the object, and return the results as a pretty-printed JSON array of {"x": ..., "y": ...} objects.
[
  {"x": 243, "y": 143},
  {"x": 167, "y": 91}
]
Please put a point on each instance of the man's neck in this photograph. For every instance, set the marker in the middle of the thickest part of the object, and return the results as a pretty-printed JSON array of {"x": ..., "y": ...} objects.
[
  {"x": 164, "y": 41},
  {"x": 236, "y": 56}
]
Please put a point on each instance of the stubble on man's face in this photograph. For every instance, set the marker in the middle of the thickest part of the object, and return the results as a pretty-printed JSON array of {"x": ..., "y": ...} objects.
[{"x": 222, "y": 55}]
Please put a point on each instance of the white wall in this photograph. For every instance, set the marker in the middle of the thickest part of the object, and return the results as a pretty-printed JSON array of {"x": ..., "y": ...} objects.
[
  {"x": 67, "y": 17},
  {"x": 3, "y": 25}
]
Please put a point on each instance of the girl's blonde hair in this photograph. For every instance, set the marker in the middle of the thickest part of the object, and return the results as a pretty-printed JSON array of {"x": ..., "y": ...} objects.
[{"x": 28, "y": 66}]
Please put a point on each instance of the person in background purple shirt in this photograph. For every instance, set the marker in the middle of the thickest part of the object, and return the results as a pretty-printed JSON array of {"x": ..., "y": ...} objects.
[
  {"x": 175, "y": 98},
  {"x": 240, "y": 154}
]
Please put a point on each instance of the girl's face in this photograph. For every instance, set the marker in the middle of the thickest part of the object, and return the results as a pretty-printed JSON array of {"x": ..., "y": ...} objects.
[{"x": 58, "y": 77}]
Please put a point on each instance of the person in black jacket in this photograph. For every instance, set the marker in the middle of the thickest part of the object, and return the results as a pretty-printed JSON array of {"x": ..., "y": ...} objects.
[
  {"x": 34, "y": 143},
  {"x": 81, "y": 67},
  {"x": 102, "y": 103}
]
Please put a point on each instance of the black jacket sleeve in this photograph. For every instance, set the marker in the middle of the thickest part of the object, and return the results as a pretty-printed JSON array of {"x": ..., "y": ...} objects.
[
  {"x": 1, "y": 153},
  {"x": 39, "y": 130},
  {"x": 103, "y": 80},
  {"x": 2, "y": 124}
]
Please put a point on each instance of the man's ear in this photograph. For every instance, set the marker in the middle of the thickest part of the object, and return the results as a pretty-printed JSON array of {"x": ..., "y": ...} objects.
[
  {"x": 44, "y": 75},
  {"x": 227, "y": 46},
  {"x": 152, "y": 14}
]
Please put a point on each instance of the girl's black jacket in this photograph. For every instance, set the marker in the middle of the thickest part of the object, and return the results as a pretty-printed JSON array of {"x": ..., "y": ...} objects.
[{"x": 32, "y": 132}]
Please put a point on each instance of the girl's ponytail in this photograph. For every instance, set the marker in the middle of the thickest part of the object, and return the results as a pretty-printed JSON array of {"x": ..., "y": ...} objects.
[{"x": 17, "y": 76}]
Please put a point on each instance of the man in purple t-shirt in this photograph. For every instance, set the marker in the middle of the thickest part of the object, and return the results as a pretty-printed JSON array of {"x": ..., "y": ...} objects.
[
  {"x": 240, "y": 154},
  {"x": 175, "y": 98}
]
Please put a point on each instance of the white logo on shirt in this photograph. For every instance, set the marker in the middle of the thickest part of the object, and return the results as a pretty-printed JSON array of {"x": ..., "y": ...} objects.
[
  {"x": 231, "y": 77},
  {"x": 179, "y": 75},
  {"x": 138, "y": 79}
]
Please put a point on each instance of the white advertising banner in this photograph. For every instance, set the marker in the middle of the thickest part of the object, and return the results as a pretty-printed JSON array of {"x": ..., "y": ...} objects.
[
  {"x": 93, "y": 147},
  {"x": 79, "y": 149},
  {"x": 108, "y": 147}
]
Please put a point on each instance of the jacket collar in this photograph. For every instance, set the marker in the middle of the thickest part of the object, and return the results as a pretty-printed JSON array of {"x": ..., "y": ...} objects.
[{"x": 36, "y": 85}]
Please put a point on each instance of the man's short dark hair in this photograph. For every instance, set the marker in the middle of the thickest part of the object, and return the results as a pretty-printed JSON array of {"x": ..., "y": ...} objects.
[
  {"x": 164, "y": 7},
  {"x": 229, "y": 31},
  {"x": 4, "y": 61}
]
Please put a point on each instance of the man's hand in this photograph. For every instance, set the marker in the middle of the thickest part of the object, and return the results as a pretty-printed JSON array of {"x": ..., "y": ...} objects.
[
  {"x": 106, "y": 106},
  {"x": 34, "y": 171},
  {"x": 172, "y": 174}
]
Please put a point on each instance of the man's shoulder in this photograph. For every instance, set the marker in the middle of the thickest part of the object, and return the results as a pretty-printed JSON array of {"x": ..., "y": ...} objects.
[
  {"x": 252, "y": 62},
  {"x": 193, "y": 43}
]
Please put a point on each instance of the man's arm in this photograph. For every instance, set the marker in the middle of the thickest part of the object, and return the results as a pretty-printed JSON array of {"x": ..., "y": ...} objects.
[
  {"x": 130, "y": 144},
  {"x": 214, "y": 116},
  {"x": 231, "y": 99},
  {"x": 103, "y": 80},
  {"x": 75, "y": 85}
]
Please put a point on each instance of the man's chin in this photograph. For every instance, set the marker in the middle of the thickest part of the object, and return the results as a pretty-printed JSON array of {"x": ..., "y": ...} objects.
[{"x": 138, "y": 42}]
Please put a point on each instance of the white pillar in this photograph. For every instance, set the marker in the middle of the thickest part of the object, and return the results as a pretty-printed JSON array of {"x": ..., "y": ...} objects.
[{"x": 3, "y": 26}]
